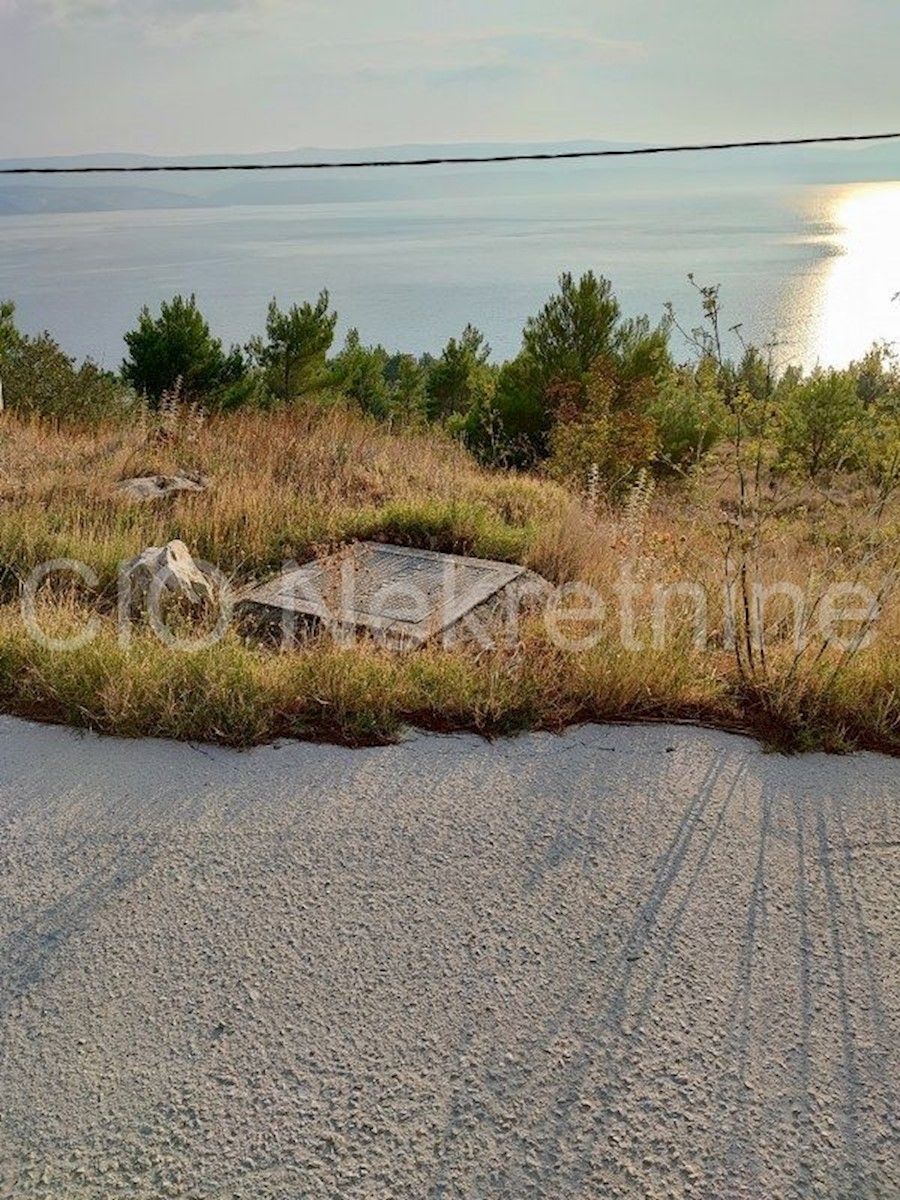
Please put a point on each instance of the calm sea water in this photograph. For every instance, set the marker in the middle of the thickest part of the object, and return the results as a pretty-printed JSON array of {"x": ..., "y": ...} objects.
[{"x": 815, "y": 265}]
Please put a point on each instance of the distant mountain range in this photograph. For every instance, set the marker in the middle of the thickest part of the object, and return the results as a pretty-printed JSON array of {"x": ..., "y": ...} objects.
[
  {"x": 32, "y": 199},
  {"x": 34, "y": 195}
]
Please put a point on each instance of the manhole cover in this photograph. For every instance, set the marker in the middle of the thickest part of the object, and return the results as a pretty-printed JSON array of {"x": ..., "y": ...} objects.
[{"x": 408, "y": 594}]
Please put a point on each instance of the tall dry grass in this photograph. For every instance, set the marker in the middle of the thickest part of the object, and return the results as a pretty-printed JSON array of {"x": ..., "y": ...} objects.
[
  {"x": 281, "y": 486},
  {"x": 286, "y": 485}
]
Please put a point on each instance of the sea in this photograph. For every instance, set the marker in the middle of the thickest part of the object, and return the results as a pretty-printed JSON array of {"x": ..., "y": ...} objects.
[{"x": 813, "y": 268}]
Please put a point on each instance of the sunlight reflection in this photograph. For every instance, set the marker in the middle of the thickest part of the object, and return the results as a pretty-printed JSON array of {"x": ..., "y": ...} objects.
[{"x": 857, "y": 308}]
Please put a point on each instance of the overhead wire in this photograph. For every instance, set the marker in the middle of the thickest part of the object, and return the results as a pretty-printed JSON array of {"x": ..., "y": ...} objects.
[{"x": 448, "y": 160}]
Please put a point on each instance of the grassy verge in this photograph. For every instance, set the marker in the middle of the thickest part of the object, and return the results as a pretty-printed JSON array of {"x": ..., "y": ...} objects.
[{"x": 286, "y": 486}]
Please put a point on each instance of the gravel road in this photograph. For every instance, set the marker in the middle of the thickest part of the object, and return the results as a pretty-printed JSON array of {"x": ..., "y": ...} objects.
[{"x": 648, "y": 962}]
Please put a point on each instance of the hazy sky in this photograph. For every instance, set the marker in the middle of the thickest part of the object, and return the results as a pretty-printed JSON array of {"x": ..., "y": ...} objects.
[{"x": 183, "y": 76}]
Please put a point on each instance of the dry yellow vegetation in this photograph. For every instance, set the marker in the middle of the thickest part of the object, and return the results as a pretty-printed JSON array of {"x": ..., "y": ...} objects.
[{"x": 287, "y": 485}]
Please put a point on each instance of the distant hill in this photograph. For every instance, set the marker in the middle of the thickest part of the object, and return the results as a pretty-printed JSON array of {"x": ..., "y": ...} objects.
[
  {"x": 33, "y": 199},
  {"x": 74, "y": 194}
]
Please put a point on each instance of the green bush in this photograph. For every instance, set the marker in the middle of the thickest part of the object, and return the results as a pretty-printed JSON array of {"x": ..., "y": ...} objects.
[
  {"x": 603, "y": 434},
  {"x": 580, "y": 326},
  {"x": 359, "y": 372},
  {"x": 821, "y": 423},
  {"x": 293, "y": 355},
  {"x": 177, "y": 351},
  {"x": 461, "y": 379},
  {"x": 690, "y": 416},
  {"x": 39, "y": 379},
  {"x": 9, "y": 335}
]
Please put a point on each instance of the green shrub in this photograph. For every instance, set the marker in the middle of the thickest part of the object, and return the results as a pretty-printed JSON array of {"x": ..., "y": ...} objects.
[
  {"x": 690, "y": 416},
  {"x": 39, "y": 379},
  {"x": 359, "y": 372},
  {"x": 821, "y": 424},
  {"x": 177, "y": 351},
  {"x": 9, "y": 335},
  {"x": 293, "y": 355},
  {"x": 602, "y": 433},
  {"x": 461, "y": 379},
  {"x": 580, "y": 326}
]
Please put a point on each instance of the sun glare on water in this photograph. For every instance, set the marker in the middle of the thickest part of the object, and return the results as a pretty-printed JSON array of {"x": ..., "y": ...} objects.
[{"x": 858, "y": 305}]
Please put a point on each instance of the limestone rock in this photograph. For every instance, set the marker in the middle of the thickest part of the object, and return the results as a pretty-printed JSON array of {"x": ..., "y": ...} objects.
[
  {"x": 157, "y": 487},
  {"x": 179, "y": 575}
]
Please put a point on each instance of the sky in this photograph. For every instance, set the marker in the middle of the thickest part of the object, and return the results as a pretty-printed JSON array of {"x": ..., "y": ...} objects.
[{"x": 212, "y": 76}]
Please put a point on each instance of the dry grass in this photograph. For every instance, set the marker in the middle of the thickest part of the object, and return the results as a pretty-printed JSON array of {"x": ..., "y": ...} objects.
[{"x": 285, "y": 486}]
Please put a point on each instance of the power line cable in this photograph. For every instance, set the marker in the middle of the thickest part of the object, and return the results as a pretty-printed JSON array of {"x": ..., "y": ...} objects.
[{"x": 547, "y": 156}]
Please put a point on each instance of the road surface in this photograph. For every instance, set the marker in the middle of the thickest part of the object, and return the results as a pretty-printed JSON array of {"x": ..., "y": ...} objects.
[{"x": 650, "y": 962}]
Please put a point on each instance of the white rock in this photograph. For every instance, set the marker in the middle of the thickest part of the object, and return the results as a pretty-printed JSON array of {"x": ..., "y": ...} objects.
[
  {"x": 157, "y": 487},
  {"x": 179, "y": 575}
]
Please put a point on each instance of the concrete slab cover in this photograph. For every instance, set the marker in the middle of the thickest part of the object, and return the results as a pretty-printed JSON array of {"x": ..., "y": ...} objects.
[{"x": 413, "y": 594}]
